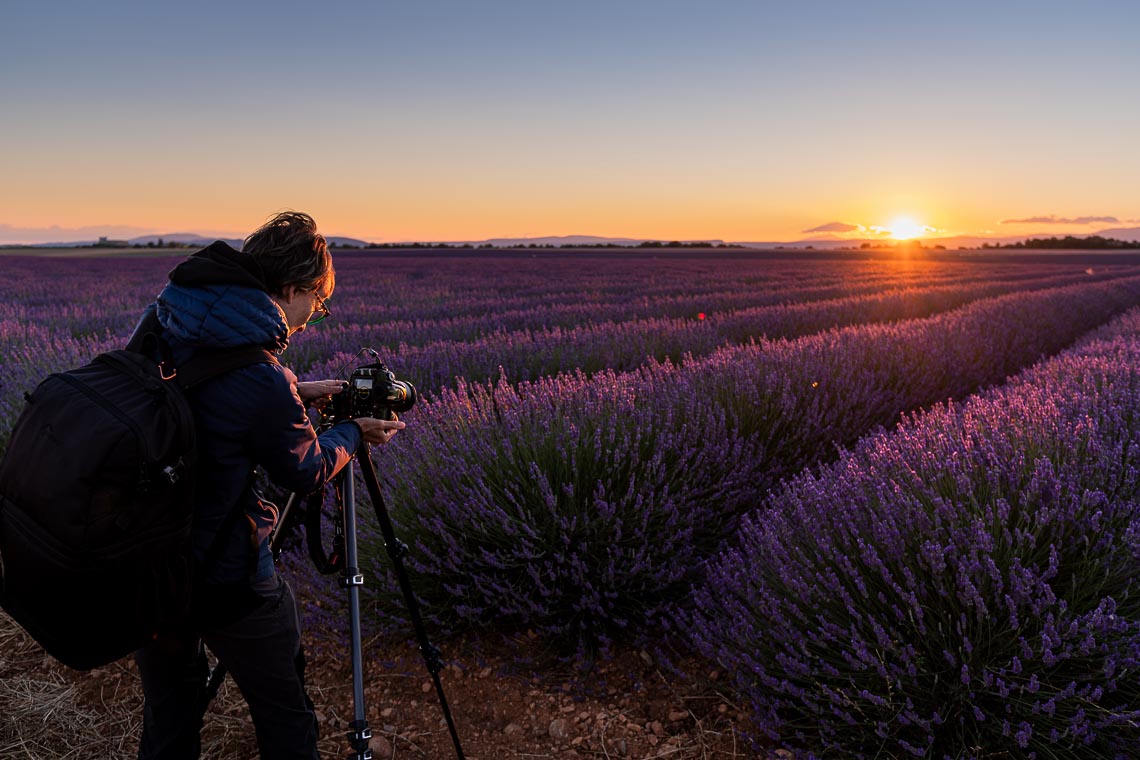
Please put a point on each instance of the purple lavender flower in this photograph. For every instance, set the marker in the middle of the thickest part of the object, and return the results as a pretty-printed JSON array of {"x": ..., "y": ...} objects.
[{"x": 1022, "y": 500}]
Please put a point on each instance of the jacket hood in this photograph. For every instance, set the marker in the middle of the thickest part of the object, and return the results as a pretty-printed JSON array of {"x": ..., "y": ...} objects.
[
  {"x": 219, "y": 264},
  {"x": 221, "y": 316},
  {"x": 217, "y": 298}
]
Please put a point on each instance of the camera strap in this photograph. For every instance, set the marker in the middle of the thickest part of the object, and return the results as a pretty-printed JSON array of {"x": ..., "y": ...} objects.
[{"x": 333, "y": 562}]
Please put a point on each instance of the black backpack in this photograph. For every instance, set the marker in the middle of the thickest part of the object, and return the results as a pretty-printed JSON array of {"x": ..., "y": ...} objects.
[{"x": 96, "y": 502}]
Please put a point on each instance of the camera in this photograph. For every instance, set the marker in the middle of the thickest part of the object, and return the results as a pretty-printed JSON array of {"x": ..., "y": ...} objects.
[{"x": 371, "y": 391}]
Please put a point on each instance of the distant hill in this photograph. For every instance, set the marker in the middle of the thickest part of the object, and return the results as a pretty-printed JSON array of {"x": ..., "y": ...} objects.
[
  {"x": 345, "y": 242},
  {"x": 1131, "y": 234}
]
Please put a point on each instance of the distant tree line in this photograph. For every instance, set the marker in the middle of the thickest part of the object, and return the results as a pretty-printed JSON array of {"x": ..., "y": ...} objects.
[
  {"x": 1091, "y": 243},
  {"x": 160, "y": 244}
]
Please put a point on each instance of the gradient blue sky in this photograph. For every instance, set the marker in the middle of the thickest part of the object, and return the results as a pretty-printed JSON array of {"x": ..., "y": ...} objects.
[{"x": 466, "y": 120}]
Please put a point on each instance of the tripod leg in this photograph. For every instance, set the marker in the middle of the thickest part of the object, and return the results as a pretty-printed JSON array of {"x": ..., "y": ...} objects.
[
  {"x": 278, "y": 534},
  {"x": 360, "y": 734},
  {"x": 396, "y": 551}
]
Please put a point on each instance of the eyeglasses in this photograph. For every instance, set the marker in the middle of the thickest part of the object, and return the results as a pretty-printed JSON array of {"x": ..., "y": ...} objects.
[{"x": 322, "y": 310}]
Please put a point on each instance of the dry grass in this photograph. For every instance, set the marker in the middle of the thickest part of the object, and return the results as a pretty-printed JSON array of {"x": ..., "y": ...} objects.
[
  {"x": 48, "y": 712},
  {"x": 40, "y": 713}
]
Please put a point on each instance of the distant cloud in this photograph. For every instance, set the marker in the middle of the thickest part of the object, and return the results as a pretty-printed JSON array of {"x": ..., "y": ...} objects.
[
  {"x": 835, "y": 227},
  {"x": 1051, "y": 219}
]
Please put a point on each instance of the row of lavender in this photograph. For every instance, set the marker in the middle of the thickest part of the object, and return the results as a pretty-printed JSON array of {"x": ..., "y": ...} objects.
[
  {"x": 385, "y": 304},
  {"x": 94, "y": 295},
  {"x": 75, "y": 307},
  {"x": 592, "y": 347},
  {"x": 416, "y": 289},
  {"x": 57, "y": 313},
  {"x": 72, "y": 309},
  {"x": 967, "y": 586},
  {"x": 585, "y": 507},
  {"x": 364, "y": 320}
]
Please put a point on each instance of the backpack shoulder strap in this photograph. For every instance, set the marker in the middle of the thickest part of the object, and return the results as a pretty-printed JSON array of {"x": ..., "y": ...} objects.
[
  {"x": 206, "y": 365},
  {"x": 141, "y": 340}
]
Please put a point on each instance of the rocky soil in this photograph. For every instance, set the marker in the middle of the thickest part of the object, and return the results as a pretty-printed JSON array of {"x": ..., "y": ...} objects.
[{"x": 626, "y": 707}]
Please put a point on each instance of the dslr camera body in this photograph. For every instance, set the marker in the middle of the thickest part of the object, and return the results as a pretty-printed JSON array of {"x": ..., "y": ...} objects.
[{"x": 371, "y": 391}]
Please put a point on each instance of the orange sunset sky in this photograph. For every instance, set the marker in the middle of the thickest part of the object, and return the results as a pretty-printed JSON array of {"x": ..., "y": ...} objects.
[{"x": 450, "y": 121}]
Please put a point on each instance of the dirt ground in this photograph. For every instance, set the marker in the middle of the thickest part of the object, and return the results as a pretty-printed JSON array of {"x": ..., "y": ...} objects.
[{"x": 626, "y": 707}]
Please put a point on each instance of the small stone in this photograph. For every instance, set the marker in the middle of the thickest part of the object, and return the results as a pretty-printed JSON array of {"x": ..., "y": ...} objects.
[
  {"x": 582, "y": 716},
  {"x": 381, "y": 747},
  {"x": 783, "y": 754},
  {"x": 722, "y": 709},
  {"x": 645, "y": 657},
  {"x": 676, "y": 716},
  {"x": 714, "y": 675},
  {"x": 387, "y": 712},
  {"x": 426, "y": 687},
  {"x": 485, "y": 673},
  {"x": 559, "y": 729},
  {"x": 622, "y": 747},
  {"x": 656, "y": 728},
  {"x": 577, "y": 741},
  {"x": 512, "y": 728}
]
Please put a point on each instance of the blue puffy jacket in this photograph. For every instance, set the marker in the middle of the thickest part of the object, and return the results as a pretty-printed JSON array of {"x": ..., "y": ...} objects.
[{"x": 247, "y": 418}]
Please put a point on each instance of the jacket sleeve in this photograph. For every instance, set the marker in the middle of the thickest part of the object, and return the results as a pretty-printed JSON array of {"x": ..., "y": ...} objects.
[{"x": 282, "y": 438}]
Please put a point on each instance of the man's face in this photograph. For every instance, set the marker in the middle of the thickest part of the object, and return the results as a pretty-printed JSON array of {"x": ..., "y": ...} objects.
[{"x": 301, "y": 307}]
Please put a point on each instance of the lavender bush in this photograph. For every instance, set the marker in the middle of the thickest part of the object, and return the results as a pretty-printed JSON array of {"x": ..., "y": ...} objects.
[
  {"x": 965, "y": 587},
  {"x": 582, "y": 507}
]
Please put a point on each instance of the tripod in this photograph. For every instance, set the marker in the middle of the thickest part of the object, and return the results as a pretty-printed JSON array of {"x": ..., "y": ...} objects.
[{"x": 345, "y": 559}]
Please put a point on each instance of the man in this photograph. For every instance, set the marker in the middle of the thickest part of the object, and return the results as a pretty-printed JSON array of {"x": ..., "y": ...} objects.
[{"x": 252, "y": 417}]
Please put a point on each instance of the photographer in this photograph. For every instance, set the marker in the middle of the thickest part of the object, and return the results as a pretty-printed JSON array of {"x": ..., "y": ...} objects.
[{"x": 252, "y": 417}]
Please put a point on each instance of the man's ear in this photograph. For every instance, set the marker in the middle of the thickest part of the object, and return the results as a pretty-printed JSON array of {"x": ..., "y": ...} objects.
[{"x": 289, "y": 292}]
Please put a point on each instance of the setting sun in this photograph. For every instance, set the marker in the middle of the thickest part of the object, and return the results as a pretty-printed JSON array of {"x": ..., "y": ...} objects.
[{"x": 905, "y": 228}]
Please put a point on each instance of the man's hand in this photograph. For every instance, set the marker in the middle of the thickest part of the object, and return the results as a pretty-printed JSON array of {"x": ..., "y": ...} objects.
[
  {"x": 378, "y": 431},
  {"x": 318, "y": 393}
]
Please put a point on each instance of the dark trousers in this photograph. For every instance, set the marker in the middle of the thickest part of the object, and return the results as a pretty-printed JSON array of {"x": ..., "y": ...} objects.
[{"x": 262, "y": 652}]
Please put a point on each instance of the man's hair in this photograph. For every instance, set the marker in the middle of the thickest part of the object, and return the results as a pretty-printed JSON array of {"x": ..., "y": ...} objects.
[{"x": 292, "y": 252}]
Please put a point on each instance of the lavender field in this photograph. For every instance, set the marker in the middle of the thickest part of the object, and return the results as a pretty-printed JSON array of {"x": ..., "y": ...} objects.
[{"x": 813, "y": 473}]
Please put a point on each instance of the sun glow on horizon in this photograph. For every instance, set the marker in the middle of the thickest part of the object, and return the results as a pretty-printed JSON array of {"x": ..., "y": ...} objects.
[{"x": 906, "y": 228}]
